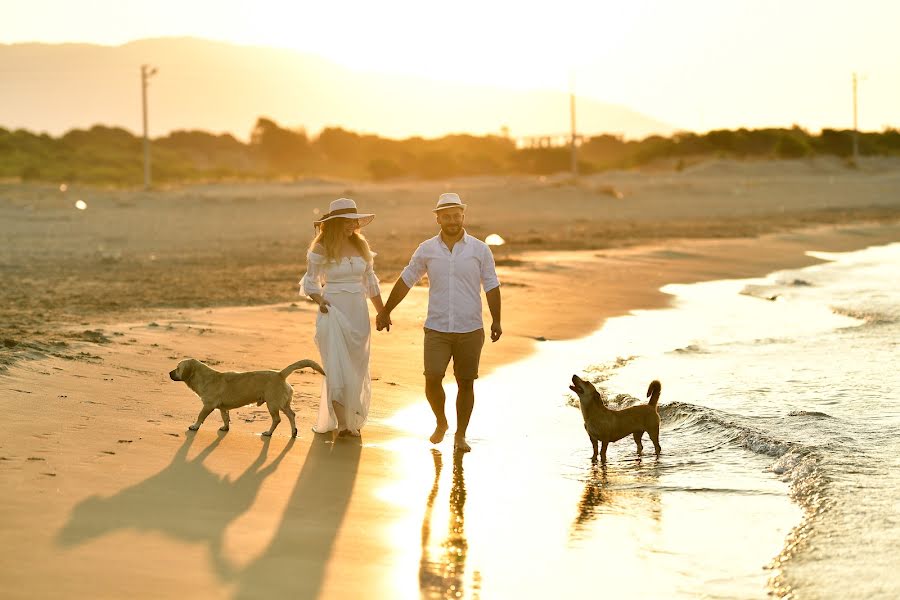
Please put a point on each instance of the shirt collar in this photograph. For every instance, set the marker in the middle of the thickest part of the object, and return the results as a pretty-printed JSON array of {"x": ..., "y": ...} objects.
[{"x": 464, "y": 239}]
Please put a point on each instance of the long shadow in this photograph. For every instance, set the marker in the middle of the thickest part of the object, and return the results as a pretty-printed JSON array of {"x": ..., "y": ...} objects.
[
  {"x": 185, "y": 500},
  {"x": 444, "y": 577},
  {"x": 293, "y": 565}
]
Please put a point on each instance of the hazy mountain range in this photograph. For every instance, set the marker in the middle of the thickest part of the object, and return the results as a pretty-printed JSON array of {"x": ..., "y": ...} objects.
[{"x": 221, "y": 87}]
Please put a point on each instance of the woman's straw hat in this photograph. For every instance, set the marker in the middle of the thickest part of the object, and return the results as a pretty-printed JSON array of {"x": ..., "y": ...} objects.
[{"x": 345, "y": 208}]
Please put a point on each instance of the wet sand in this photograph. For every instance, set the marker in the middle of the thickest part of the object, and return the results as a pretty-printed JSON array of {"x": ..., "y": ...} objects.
[{"x": 107, "y": 494}]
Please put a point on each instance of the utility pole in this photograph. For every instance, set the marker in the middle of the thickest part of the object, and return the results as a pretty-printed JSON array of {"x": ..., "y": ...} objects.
[
  {"x": 855, "y": 128},
  {"x": 574, "y": 135},
  {"x": 146, "y": 73}
]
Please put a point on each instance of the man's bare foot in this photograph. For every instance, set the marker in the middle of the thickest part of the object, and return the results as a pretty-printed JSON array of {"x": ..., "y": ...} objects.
[
  {"x": 460, "y": 444},
  {"x": 438, "y": 434},
  {"x": 350, "y": 433}
]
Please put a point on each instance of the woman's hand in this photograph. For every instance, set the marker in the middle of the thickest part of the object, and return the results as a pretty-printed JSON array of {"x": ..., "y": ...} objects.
[
  {"x": 383, "y": 321},
  {"x": 323, "y": 306}
]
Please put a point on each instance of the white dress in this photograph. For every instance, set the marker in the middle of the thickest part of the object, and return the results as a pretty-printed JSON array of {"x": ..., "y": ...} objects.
[{"x": 342, "y": 335}]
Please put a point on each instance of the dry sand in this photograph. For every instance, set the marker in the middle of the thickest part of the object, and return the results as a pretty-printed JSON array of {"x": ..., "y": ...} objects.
[{"x": 105, "y": 494}]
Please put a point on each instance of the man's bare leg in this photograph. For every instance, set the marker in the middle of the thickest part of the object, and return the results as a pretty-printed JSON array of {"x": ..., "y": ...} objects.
[
  {"x": 434, "y": 391},
  {"x": 465, "y": 402}
]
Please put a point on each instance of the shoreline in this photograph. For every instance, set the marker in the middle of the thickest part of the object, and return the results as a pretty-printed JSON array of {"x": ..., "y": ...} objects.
[
  {"x": 212, "y": 246},
  {"x": 115, "y": 420}
]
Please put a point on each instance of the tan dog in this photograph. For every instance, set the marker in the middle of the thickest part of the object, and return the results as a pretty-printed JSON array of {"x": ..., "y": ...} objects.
[
  {"x": 233, "y": 389},
  {"x": 606, "y": 425}
]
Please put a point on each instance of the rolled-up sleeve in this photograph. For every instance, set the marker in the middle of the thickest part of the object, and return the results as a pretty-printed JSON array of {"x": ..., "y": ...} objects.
[
  {"x": 489, "y": 279},
  {"x": 313, "y": 279},
  {"x": 370, "y": 280},
  {"x": 416, "y": 268}
]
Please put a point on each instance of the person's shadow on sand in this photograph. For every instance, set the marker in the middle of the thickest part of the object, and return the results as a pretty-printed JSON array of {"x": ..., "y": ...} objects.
[
  {"x": 445, "y": 576},
  {"x": 185, "y": 500},
  {"x": 293, "y": 565}
]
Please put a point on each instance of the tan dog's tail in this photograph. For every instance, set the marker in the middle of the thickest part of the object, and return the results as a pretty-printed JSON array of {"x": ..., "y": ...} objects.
[
  {"x": 299, "y": 365},
  {"x": 653, "y": 392}
]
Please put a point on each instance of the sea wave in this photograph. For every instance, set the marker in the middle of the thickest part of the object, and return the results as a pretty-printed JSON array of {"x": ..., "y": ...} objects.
[
  {"x": 795, "y": 463},
  {"x": 691, "y": 349},
  {"x": 798, "y": 465},
  {"x": 869, "y": 317},
  {"x": 809, "y": 413},
  {"x": 763, "y": 292}
]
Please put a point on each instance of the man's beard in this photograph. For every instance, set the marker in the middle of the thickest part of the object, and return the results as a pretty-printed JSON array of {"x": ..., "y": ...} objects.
[{"x": 451, "y": 229}]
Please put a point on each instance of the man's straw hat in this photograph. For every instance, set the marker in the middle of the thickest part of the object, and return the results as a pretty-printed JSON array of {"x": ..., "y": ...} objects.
[{"x": 449, "y": 200}]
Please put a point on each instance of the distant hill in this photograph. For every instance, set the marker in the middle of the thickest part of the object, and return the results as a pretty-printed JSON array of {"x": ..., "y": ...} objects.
[{"x": 221, "y": 87}]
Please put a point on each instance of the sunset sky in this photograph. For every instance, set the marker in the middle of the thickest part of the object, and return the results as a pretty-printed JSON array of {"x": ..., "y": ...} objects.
[{"x": 695, "y": 64}]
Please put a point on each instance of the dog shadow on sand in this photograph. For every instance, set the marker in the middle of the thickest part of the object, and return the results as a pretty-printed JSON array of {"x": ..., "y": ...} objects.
[
  {"x": 185, "y": 500},
  {"x": 189, "y": 502}
]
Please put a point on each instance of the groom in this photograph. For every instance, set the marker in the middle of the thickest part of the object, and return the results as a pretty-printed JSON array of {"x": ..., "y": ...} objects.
[{"x": 458, "y": 266}]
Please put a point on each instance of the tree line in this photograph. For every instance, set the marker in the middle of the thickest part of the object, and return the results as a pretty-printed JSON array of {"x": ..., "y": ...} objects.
[{"x": 111, "y": 155}]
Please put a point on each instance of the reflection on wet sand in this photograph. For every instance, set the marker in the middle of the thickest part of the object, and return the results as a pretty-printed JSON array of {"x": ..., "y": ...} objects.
[
  {"x": 185, "y": 500},
  {"x": 445, "y": 577},
  {"x": 636, "y": 483},
  {"x": 595, "y": 494}
]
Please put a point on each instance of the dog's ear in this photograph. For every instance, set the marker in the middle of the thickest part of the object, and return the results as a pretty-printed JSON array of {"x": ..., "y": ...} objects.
[{"x": 187, "y": 370}]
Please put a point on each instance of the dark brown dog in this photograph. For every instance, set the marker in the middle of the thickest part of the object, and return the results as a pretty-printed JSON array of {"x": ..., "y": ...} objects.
[{"x": 606, "y": 425}]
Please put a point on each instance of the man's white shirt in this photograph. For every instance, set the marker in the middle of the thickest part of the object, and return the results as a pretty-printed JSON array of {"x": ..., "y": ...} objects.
[{"x": 455, "y": 281}]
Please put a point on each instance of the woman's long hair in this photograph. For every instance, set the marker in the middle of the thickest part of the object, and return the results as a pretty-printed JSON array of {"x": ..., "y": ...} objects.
[{"x": 329, "y": 236}]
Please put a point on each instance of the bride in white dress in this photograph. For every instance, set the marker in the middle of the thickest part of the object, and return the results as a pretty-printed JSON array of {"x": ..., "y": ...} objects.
[{"x": 340, "y": 276}]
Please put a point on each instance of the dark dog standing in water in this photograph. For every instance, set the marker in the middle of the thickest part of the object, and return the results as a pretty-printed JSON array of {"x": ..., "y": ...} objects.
[{"x": 605, "y": 425}]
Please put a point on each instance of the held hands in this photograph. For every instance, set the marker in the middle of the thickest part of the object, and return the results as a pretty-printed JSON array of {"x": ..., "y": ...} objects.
[
  {"x": 323, "y": 306},
  {"x": 383, "y": 321},
  {"x": 496, "y": 331}
]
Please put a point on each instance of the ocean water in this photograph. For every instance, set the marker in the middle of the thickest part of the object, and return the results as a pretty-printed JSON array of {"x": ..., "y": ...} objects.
[
  {"x": 779, "y": 473},
  {"x": 801, "y": 368}
]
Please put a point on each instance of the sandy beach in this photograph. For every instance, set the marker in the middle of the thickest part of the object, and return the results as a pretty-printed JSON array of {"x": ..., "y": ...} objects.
[{"x": 105, "y": 492}]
